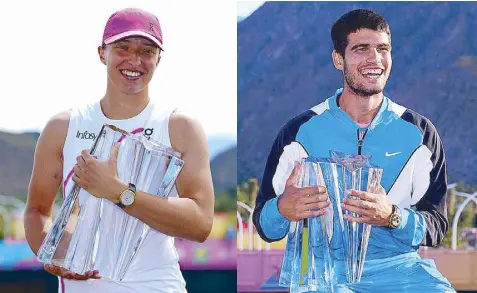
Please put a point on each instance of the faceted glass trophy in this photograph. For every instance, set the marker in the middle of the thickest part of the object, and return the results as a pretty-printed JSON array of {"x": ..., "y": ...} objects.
[
  {"x": 325, "y": 231},
  {"x": 358, "y": 174},
  {"x": 327, "y": 250},
  {"x": 92, "y": 233},
  {"x": 301, "y": 267}
]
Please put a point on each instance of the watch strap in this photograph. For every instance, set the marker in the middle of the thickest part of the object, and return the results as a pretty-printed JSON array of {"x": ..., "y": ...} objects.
[
  {"x": 132, "y": 187},
  {"x": 395, "y": 213}
]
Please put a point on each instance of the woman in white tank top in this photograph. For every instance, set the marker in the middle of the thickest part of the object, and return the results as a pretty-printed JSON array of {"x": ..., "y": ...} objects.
[{"x": 131, "y": 48}]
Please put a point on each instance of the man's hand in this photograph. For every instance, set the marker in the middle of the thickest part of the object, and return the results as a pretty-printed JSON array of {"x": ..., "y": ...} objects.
[
  {"x": 300, "y": 203},
  {"x": 99, "y": 178},
  {"x": 64, "y": 273},
  {"x": 372, "y": 208}
]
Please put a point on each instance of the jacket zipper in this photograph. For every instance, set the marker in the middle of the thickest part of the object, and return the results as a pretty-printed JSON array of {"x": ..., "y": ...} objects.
[{"x": 361, "y": 134}]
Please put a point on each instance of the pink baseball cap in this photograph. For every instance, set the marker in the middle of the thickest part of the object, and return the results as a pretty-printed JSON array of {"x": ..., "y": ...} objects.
[{"x": 132, "y": 22}]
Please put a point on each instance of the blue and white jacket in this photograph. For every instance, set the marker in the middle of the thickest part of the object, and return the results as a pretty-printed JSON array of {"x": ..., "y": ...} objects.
[{"x": 405, "y": 144}]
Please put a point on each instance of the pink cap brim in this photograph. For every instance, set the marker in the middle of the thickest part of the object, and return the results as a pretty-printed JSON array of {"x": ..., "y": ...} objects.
[{"x": 134, "y": 33}]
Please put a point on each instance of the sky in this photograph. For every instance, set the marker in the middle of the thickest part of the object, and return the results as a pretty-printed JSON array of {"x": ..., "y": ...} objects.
[
  {"x": 50, "y": 60},
  {"x": 245, "y": 8}
]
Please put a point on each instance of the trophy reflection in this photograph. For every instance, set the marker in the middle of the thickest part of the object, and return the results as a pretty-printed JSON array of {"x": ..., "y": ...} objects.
[
  {"x": 327, "y": 250},
  {"x": 93, "y": 233}
]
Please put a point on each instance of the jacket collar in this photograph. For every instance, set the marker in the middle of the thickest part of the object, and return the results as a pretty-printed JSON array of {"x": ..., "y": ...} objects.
[{"x": 333, "y": 106}]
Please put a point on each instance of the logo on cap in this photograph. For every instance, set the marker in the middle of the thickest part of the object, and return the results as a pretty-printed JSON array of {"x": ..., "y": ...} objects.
[{"x": 151, "y": 26}]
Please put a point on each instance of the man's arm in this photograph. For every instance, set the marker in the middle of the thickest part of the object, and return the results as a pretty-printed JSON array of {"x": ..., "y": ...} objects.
[
  {"x": 191, "y": 215},
  {"x": 270, "y": 224},
  {"x": 425, "y": 223},
  {"x": 45, "y": 180}
]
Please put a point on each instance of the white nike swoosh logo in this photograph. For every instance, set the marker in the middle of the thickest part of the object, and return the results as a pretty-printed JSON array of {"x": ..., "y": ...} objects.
[{"x": 391, "y": 154}]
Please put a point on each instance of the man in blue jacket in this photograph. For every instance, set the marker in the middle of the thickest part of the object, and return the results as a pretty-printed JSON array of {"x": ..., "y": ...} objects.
[{"x": 359, "y": 120}]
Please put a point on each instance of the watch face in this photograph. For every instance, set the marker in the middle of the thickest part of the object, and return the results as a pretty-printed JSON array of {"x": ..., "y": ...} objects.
[
  {"x": 395, "y": 221},
  {"x": 127, "y": 197}
]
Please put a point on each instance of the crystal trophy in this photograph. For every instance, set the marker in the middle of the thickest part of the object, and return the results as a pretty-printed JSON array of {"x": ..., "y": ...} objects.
[
  {"x": 93, "y": 233},
  {"x": 335, "y": 248}
]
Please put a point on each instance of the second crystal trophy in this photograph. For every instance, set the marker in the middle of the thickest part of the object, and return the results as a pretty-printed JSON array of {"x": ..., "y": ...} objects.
[{"x": 92, "y": 233}]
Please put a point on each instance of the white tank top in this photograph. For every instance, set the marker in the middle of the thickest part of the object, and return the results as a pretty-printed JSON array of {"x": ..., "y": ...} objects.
[{"x": 155, "y": 267}]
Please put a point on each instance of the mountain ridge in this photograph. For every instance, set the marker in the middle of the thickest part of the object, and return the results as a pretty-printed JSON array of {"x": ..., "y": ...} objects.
[
  {"x": 285, "y": 68},
  {"x": 17, "y": 151}
]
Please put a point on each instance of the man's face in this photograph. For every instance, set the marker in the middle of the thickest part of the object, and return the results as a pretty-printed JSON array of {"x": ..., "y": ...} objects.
[
  {"x": 367, "y": 62},
  {"x": 130, "y": 63}
]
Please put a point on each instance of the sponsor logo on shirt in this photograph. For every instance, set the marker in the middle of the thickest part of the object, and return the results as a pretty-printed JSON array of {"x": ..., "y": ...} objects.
[
  {"x": 85, "y": 135},
  {"x": 148, "y": 132},
  {"x": 387, "y": 154},
  {"x": 90, "y": 135}
]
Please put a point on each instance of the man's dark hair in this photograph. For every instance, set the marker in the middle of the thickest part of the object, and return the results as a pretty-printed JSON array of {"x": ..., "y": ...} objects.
[{"x": 353, "y": 21}]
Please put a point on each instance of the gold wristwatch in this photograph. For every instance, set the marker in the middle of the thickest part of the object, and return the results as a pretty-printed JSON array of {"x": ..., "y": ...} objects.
[
  {"x": 127, "y": 197},
  {"x": 395, "y": 218}
]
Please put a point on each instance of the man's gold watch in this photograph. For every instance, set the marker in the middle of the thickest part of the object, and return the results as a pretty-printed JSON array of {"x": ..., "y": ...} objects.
[{"x": 395, "y": 218}]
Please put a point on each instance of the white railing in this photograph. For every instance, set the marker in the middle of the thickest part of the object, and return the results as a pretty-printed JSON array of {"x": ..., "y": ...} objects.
[
  {"x": 469, "y": 197},
  {"x": 240, "y": 231},
  {"x": 250, "y": 223},
  {"x": 251, "y": 234}
]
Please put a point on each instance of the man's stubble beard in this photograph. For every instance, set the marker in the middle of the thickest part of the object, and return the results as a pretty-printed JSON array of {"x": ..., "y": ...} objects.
[{"x": 356, "y": 88}]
